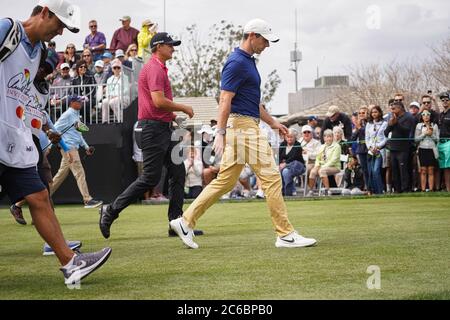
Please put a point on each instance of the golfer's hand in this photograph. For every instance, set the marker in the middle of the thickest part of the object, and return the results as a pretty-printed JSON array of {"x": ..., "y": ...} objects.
[
  {"x": 181, "y": 122},
  {"x": 90, "y": 151},
  {"x": 283, "y": 131},
  {"x": 54, "y": 137},
  {"x": 219, "y": 145},
  {"x": 189, "y": 111}
]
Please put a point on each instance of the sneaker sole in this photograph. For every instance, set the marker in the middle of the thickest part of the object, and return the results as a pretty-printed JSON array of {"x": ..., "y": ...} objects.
[
  {"x": 88, "y": 271},
  {"x": 52, "y": 253},
  {"x": 286, "y": 245},
  {"x": 188, "y": 243},
  {"x": 93, "y": 207}
]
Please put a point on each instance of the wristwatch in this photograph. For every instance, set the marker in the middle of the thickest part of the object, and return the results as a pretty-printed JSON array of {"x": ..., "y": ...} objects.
[{"x": 221, "y": 131}]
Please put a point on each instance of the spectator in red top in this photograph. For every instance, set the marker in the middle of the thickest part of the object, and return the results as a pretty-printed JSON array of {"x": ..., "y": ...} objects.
[
  {"x": 95, "y": 41},
  {"x": 124, "y": 36},
  {"x": 156, "y": 114}
]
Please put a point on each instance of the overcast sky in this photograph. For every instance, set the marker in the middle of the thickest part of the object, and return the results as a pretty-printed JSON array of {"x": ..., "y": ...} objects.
[{"x": 333, "y": 35}]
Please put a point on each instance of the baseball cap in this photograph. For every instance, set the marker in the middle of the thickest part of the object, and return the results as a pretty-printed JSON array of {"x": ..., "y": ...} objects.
[
  {"x": 261, "y": 27},
  {"x": 312, "y": 118},
  {"x": 125, "y": 18},
  {"x": 444, "y": 95},
  {"x": 64, "y": 65},
  {"x": 414, "y": 104},
  {"x": 107, "y": 55},
  {"x": 307, "y": 128},
  {"x": 206, "y": 128},
  {"x": 69, "y": 14},
  {"x": 75, "y": 98},
  {"x": 163, "y": 38},
  {"x": 119, "y": 53},
  {"x": 100, "y": 64},
  {"x": 332, "y": 111}
]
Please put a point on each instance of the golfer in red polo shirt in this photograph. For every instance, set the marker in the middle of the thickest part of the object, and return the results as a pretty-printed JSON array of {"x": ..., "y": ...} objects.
[{"x": 156, "y": 114}]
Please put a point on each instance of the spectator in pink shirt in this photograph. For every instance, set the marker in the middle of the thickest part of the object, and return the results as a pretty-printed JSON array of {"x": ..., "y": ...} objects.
[{"x": 124, "y": 36}]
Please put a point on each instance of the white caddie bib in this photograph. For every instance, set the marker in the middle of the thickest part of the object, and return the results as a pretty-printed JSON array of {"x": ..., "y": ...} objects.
[
  {"x": 17, "y": 149},
  {"x": 35, "y": 116}
]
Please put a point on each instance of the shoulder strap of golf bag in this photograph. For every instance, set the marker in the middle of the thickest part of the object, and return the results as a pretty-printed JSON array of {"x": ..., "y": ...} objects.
[{"x": 12, "y": 40}]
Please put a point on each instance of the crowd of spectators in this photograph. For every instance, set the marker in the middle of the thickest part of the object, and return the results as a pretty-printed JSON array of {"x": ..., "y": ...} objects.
[
  {"x": 96, "y": 72},
  {"x": 367, "y": 152}
]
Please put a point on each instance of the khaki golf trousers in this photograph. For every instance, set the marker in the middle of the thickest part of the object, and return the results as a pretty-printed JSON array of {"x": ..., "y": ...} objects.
[
  {"x": 245, "y": 144},
  {"x": 78, "y": 172}
]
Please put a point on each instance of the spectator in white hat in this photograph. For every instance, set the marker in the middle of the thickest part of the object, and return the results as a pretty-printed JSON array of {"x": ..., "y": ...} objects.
[
  {"x": 100, "y": 75},
  {"x": 117, "y": 93},
  {"x": 310, "y": 147},
  {"x": 414, "y": 108}
]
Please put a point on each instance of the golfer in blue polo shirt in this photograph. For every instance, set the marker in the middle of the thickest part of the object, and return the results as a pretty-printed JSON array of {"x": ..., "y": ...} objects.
[{"x": 240, "y": 106}]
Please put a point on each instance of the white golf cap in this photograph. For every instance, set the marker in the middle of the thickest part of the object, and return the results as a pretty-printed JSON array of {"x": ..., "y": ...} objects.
[
  {"x": 262, "y": 27},
  {"x": 415, "y": 104},
  {"x": 64, "y": 66},
  {"x": 307, "y": 128},
  {"x": 100, "y": 64},
  {"x": 120, "y": 53},
  {"x": 68, "y": 13}
]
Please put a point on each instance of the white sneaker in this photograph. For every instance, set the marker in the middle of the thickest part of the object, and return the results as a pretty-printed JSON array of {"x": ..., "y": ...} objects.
[
  {"x": 310, "y": 193},
  {"x": 260, "y": 194},
  {"x": 294, "y": 240},
  {"x": 184, "y": 232}
]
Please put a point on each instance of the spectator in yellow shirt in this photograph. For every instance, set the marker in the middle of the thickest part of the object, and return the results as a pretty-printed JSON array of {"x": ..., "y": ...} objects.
[{"x": 148, "y": 30}]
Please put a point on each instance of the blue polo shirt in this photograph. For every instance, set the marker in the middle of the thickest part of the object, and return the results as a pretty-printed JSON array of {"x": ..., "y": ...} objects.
[{"x": 241, "y": 76}]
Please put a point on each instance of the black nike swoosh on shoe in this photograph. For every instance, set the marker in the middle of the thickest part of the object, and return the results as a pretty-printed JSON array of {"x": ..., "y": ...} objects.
[
  {"x": 182, "y": 230},
  {"x": 289, "y": 241}
]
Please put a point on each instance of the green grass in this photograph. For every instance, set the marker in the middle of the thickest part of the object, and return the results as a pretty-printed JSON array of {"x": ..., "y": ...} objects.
[{"x": 407, "y": 237}]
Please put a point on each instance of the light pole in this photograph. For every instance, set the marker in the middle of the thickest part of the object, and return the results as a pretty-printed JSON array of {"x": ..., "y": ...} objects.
[
  {"x": 164, "y": 15},
  {"x": 296, "y": 55}
]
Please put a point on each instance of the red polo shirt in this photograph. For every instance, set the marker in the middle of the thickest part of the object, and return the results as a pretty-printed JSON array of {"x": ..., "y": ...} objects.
[{"x": 153, "y": 77}]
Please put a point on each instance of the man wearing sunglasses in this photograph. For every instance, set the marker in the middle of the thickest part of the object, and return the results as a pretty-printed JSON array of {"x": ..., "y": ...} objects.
[
  {"x": 427, "y": 104},
  {"x": 95, "y": 41},
  {"x": 18, "y": 155},
  {"x": 444, "y": 145}
]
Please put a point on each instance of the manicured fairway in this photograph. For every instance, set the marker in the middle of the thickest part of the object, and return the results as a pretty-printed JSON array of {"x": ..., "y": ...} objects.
[{"x": 406, "y": 237}]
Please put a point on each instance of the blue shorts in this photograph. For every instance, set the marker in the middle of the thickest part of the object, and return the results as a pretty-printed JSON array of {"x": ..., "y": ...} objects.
[{"x": 19, "y": 183}]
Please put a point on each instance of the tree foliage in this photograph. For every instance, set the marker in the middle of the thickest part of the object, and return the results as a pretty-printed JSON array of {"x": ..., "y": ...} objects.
[{"x": 197, "y": 66}]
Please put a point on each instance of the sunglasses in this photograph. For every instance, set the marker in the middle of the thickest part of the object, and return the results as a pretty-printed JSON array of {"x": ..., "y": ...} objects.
[
  {"x": 308, "y": 132},
  {"x": 65, "y": 69},
  {"x": 398, "y": 100},
  {"x": 82, "y": 67},
  {"x": 93, "y": 26},
  {"x": 116, "y": 68},
  {"x": 426, "y": 102},
  {"x": 70, "y": 47},
  {"x": 426, "y": 114},
  {"x": 445, "y": 100}
]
